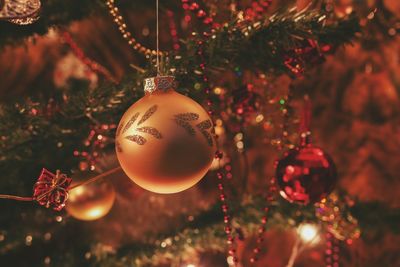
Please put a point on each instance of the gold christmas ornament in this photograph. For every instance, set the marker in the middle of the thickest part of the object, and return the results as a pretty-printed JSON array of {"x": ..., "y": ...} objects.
[
  {"x": 21, "y": 12},
  {"x": 90, "y": 201},
  {"x": 165, "y": 141}
]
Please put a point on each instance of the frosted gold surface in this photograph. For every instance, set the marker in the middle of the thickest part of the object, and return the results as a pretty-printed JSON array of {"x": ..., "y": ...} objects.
[
  {"x": 91, "y": 201},
  {"x": 174, "y": 160}
]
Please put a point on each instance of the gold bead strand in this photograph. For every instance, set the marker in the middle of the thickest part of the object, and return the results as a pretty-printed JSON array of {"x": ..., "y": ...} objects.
[{"x": 119, "y": 20}]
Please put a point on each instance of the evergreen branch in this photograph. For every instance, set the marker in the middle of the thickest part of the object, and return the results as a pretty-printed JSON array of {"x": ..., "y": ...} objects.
[
  {"x": 229, "y": 49},
  {"x": 29, "y": 126},
  {"x": 207, "y": 231}
]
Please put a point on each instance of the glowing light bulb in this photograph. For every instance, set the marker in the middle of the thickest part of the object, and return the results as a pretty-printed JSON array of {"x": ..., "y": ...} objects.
[{"x": 309, "y": 233}]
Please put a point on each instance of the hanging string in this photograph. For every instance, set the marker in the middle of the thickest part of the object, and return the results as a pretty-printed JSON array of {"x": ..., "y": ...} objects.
[
  {"x": 295, "y": 252},
  {"x": 18, "y": 198},
  {"x": 119, "y": 20},
  {"x": 95, "y": 178},
  {"x": 305, "y": 122},
  {"x": 157, "y": 34}
]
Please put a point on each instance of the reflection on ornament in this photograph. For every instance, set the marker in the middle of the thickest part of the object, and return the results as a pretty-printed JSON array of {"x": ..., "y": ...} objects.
[
  {"x": 91, "y": 201},
  {"x": 305, "y": 174},
  {"x": 165, "y": 141},
  {"x": 20, "y": 12}
]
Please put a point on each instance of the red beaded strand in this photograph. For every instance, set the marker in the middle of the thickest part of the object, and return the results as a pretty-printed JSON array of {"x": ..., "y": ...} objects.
[
  {"x": 94, "y": 66},
  {"x": 336, "y": 251},
  {"x": 332, "y": 250},
  {"x": 189, "y": 5},
  {"x": 270, "y": 197},
  {"x": 257, "y": 9},
  {"x": 226, "y": 172},
  {"x": 194, "y": 7},
  {"x": 225, "y": 207},
  {"x": 173, "y": 30}
]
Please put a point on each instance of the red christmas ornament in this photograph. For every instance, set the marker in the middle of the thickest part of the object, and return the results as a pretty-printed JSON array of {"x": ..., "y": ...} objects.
[
  {"x": 245, "y": 100},
  {"x": 51, "y": 190},
  {"x": 309, "y": 52},
  {"x": 305, "y": 174}
]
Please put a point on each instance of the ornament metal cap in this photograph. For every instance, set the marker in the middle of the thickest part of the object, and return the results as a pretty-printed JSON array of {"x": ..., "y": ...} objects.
[{"x": 162, "y": 83}]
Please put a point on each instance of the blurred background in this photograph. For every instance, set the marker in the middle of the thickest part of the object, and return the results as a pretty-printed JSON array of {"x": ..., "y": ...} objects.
[{"x": 355, "y": 118}]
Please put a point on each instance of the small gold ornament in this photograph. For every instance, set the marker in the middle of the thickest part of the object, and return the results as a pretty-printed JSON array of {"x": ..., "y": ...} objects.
[
  {"x": 165, "y": 141},
  {"x": 90, "y": 201}
]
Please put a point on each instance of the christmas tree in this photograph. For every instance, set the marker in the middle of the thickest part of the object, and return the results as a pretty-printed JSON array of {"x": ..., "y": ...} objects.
[{"x": 265, "y": 135}]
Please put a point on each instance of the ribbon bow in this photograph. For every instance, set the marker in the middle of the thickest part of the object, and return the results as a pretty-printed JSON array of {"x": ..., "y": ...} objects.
[{"x": 51, "y": 190}]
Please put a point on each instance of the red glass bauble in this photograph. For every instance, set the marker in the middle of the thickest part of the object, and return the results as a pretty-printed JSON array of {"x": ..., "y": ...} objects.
[{"x": 305, "y": 175}]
